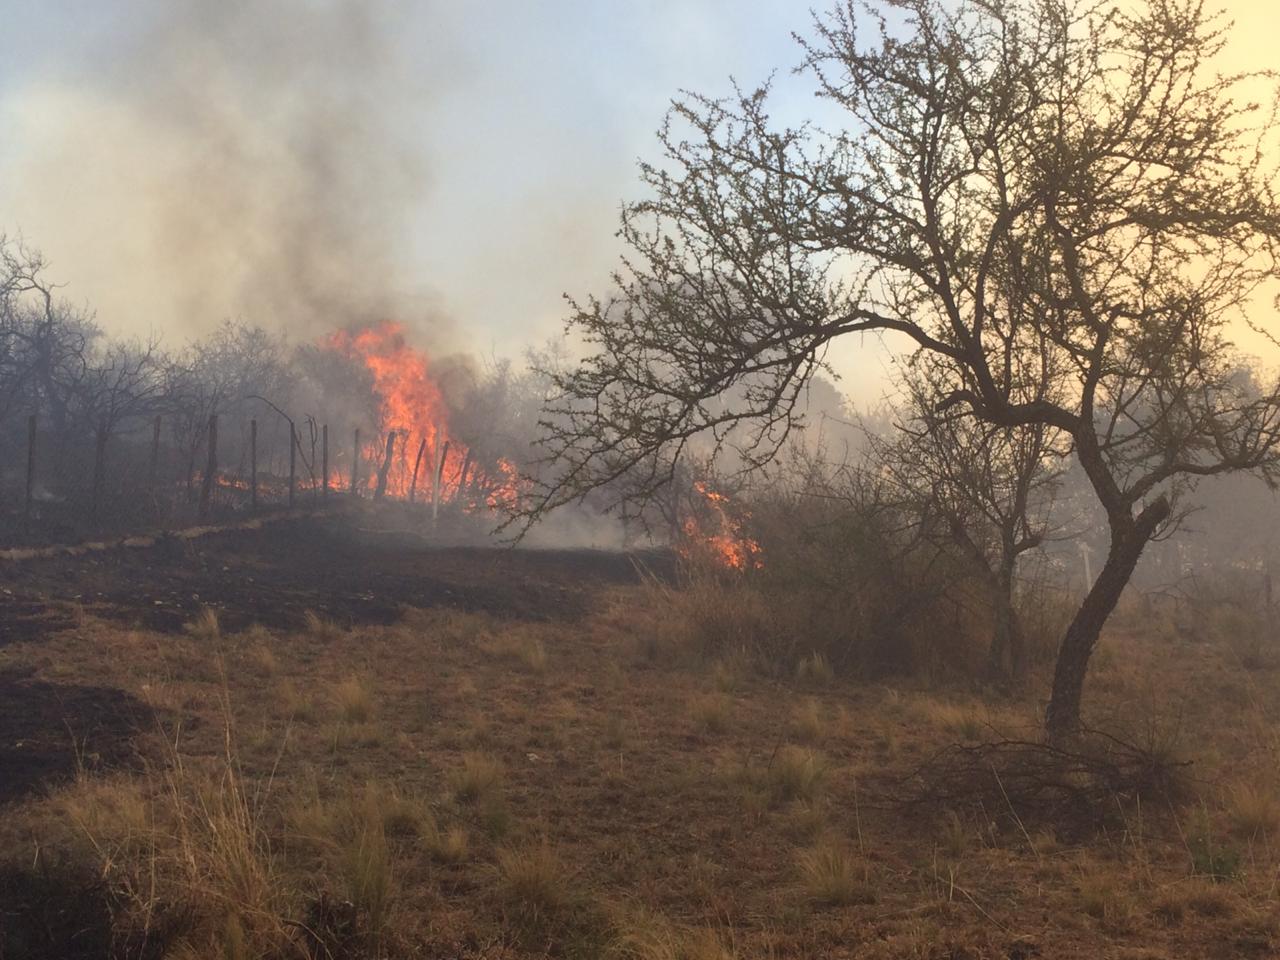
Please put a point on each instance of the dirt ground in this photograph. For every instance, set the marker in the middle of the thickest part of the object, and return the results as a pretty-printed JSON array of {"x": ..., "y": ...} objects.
[{"x": 549, "y": 782}]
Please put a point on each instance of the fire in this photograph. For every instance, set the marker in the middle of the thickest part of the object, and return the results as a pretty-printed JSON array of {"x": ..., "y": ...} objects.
[
  {"x": 723, "y": 542},
  {"x": 412, "y": 406}
]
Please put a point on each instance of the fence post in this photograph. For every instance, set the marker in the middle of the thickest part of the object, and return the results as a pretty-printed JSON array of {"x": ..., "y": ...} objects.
[
  {"x": 435, "y": 485},
  {"x": 355, "y": 462},
  {"x": 210, "y": 468},
  {"x": 31, "y": 467},
  {"x": 293, "y": 461},
  {"x": 253, "y": 465},
  {"x": 386, "y": 466},
  {"x": 417, "y": 462}
]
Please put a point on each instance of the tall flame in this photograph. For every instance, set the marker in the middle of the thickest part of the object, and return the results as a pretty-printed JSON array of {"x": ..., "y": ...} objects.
[{"x": 412, "y": 406}]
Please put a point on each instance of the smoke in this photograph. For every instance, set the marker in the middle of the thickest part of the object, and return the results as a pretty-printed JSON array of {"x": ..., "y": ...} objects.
[{"x": 228, "y": 159}]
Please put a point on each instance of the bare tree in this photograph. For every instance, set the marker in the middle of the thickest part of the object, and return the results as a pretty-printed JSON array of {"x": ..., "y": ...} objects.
[
  {"x": 1060, "y": 202},
  {"x": 986, "y": 490}
]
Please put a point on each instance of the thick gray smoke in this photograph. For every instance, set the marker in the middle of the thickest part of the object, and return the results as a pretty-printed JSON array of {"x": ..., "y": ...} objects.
[{"x": 229, "y": 159}]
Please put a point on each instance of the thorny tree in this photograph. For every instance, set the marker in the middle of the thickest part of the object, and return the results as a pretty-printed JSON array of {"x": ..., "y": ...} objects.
[{"x": 1060, "y": 202}]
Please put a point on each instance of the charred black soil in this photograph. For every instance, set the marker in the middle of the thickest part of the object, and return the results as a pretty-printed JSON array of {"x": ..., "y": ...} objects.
[{"x": 354, "y": 568}]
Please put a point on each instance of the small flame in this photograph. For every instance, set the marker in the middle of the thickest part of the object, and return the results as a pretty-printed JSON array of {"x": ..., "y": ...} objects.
[{"x": 724, "y": 543}]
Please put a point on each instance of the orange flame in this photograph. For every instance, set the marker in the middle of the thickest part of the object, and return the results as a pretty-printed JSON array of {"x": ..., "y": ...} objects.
[
  {"x": 412, "y": 405},
  {"x": 725, "y": 544}
]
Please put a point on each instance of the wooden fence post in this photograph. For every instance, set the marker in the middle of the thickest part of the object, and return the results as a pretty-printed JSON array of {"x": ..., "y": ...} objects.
[
  {"x": 386, "y": 466},
  {"x": 417, "y": 462},
  {"x": 293, "y": 461},
  {"x": 324, "y": 465},
  {"x": 31, "y": 467},
  {"x": 210, "y": 468},
  {"x": 253, "y": 465},
  {"x": 355, "y": 462},
  {"x": 435, "y": 486}
]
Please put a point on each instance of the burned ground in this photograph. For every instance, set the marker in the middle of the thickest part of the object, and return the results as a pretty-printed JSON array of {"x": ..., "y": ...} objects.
[{"x": 363, "y": 568}]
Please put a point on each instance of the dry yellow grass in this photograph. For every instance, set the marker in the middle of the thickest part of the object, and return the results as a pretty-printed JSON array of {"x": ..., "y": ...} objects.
[
  {"x": 354, "y": 699},
  {"x": 205, "y": 628},
  {"x": 832, "y": 876},
  {"x": 478, "y": 780},
  {"x": 796, "y": 773},
  {"x": 711, "y": 712},
  {"x": 534, "y": 882}
]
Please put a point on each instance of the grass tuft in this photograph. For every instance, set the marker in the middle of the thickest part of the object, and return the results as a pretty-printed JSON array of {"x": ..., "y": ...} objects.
[
  {"x": 533, "y": 882},
  {"x": 204, "y": 628},
  {"x": 478, "y": 781},
  {"x": 711, "y": 712},
  {"x": 797, "y": 773},
  {"x": 354, "y": 699},
  {"x": 834, "y": 877}
]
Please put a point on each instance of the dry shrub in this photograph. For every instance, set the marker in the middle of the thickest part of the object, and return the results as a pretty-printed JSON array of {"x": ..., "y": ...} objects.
[
  {"x": 843, "y": 589},
  {"x": 1019, "y": 783},
  {"x": 709, "y": 618}
]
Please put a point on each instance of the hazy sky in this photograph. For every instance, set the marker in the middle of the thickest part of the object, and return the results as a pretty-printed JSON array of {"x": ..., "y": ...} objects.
[{"x": 300, "y": 162}]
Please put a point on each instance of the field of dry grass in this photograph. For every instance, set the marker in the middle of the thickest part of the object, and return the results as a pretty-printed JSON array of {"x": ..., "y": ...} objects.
[{"x": 461, "y": 784}]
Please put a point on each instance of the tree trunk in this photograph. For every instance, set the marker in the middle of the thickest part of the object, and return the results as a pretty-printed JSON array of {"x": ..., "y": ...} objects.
[
  {"x": 210, "y": 468},
  {"x": 1062, "y": 719},
  {"x": 1004, "y": 659},
  {"x": 385, "y": 469}
]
